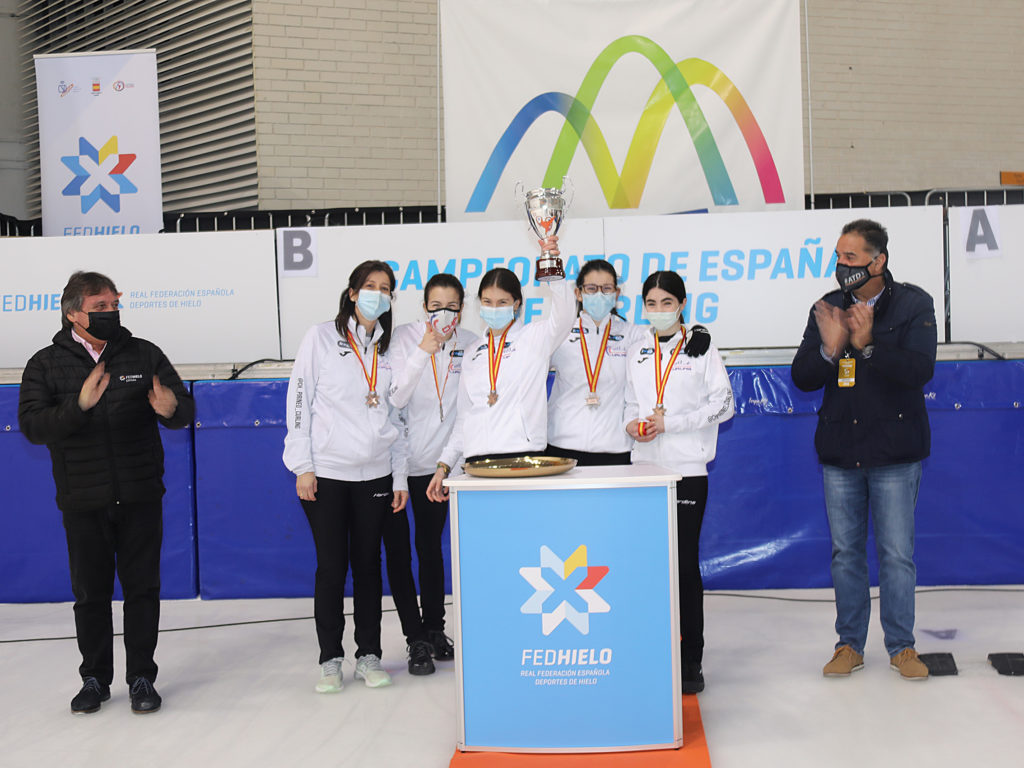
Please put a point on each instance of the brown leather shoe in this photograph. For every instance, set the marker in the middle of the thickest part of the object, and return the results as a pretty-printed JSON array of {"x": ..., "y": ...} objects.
[
  {"x": 844, "y": 661},
  {"x": 910, "y": 667}
]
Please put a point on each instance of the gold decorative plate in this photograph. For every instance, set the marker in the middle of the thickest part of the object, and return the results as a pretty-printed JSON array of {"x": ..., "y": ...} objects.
[{"x": 520, "y": 466}]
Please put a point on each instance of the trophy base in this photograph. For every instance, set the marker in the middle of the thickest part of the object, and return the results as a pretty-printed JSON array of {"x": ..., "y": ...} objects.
[{"x": 549, "y": 269}]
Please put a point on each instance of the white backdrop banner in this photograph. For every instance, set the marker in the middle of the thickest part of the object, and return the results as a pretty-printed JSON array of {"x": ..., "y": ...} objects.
[
  {"x": 99, "y": 143},
  {"x": 679, "y": 105},
  {"x": 750, "y": 277},
  {"x": 986, "y": 271},
  {"x": 201, "y": 297}
]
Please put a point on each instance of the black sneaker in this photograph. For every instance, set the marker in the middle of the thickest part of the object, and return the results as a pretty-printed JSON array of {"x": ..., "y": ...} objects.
[
  {"x": 88, "y": 699},
  {"x": 420, "y": 662},
  {"x": 145, "y": 699},
  {"x": 693, "y": 677},
  {"x": 441, "y": 645}
]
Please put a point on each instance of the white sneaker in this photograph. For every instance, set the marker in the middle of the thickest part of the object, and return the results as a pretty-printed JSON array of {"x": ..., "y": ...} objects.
[
  {"x": 330, "y": 676},
  {"x": 369, "y": 669}
]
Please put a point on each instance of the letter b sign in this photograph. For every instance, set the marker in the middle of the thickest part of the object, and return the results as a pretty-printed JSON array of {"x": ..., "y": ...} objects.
[{"x": 296, "y": 253}]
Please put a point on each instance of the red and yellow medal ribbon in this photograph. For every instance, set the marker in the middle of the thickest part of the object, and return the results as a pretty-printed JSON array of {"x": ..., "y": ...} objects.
[
  {"x": 595, "y": 371},
  {"x": 494, "y": 360},
  {"x": 371, "y": 377},
  {"x": 661, "y": 380},
  {"x": 440, "y": 388}
]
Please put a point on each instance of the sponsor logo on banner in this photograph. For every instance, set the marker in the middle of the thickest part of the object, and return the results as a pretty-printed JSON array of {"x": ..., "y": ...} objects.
[
  {"x": 88, "y": 165},
  {"x": 672, "y": 90},
  {"x": 96, "y": 89},
  {"x": 64, "y": 88},
  {"x": 576, "y": 606}
]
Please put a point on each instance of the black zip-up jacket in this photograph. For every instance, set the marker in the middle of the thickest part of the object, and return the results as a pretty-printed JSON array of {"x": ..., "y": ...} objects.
[
  {"x": 882, "y": 419},
  {"x": 111, "y": 453}
]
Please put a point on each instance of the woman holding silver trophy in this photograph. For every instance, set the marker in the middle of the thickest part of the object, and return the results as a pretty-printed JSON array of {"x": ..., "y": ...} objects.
[
  {"x": 502, "y": 403},
  {"x": 677, "y": 393}
]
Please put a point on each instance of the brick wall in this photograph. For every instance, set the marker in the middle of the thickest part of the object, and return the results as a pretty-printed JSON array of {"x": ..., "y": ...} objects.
[
  {"x": 914, "y": 94},
  {"x": 905, "y": 94},
  {"x": 346, "y": 102}
]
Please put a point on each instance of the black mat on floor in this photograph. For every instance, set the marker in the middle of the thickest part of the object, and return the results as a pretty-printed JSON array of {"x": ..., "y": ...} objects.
[
  {"x": 939, "y": 664},
  {"x": 1007, "y": 663}
]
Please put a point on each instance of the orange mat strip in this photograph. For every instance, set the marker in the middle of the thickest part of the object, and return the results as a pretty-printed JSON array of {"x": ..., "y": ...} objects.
[{"x": 693, "y": 754}]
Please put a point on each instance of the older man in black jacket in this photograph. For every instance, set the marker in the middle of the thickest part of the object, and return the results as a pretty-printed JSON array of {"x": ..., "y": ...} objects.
[
  {"x": 871, "y": 345},
  {"x": 95, "y": 397}
]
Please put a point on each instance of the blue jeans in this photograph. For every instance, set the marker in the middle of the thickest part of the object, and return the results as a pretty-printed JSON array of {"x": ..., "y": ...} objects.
[{"x": 891, "y": 494}]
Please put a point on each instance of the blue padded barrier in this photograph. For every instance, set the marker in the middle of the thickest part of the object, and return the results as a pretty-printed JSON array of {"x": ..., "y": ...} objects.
[
  {"x": 33, "y": 550},
  {"x": 254, "y": 540},
  {"x": 765, "y": 525}
]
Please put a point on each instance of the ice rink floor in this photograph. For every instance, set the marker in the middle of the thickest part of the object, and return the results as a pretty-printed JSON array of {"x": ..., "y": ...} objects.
[{"x": 241, "y": 694}]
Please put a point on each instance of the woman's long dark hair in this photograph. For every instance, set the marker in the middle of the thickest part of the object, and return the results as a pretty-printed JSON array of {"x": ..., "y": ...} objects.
[
  {"x": 597, "y": 265},
  {"x": 347, "y": 307}
]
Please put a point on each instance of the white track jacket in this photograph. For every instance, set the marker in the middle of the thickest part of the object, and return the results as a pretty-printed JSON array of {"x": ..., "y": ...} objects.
[
  {"x": 517, "y": 422},
  {"x": 331, "y": 429},
  {"x": 572, "y": 423},
  {"x": 414, "y": 391},
  {"x": 698, "y": 397}
]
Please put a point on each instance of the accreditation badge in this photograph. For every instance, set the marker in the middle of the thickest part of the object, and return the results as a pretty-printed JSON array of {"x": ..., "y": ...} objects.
[{"x": 847, "y": 372}]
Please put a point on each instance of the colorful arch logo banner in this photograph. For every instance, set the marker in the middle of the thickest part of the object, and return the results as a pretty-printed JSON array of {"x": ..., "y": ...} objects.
[
  {"x": 99, "y": 143},
  {"x": 648, "y": 106}
]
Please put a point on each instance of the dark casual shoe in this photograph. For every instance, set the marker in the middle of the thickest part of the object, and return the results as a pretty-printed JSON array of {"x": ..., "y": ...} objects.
[
  {"x": 145, "y": 699},
  {"x": 441, "y": 645},
  {"x": 88, "y": 699},
  {"x": 420, "y": 662},
  {"x": 693, "y": 677}
]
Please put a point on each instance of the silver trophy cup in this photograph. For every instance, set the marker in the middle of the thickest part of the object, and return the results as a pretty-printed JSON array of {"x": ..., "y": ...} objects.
[{"x": 545, "y": 208}]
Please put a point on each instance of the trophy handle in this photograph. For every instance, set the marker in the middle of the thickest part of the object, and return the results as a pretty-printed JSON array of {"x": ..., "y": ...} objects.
[
  {"x": 567, "y": 182},
  {"x": 517, "y": 192}
]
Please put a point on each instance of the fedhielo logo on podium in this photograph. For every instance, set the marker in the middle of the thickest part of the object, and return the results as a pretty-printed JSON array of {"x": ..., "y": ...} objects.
[{"x": 577, "y": 602}]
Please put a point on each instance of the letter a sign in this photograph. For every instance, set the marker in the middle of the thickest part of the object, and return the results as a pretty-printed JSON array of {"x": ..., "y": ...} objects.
[{"x": 980, "y": 228}]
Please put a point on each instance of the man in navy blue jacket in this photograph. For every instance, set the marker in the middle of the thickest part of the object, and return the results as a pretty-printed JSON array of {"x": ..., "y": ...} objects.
[
  {"x": 871, "y": 345},
  {"x": 94, "y": 397}
]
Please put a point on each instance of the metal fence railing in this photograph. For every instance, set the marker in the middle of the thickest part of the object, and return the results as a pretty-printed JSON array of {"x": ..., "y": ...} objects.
[{"x": 182, "y": 221}]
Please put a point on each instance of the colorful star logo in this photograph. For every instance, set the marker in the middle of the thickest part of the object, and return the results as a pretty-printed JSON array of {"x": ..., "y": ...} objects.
[
  {"x": 564, "y": 611},
  {"x": 88, "y": 163}
]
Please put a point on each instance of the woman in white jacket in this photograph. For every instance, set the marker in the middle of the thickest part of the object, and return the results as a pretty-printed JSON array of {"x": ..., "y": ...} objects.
[
  {"x": 674, "y": 404},
  {"x": 502, "y": 405},
  {"x": 588, "y": 396},
  {"x": 348, "y": 452},
  {"x": 428, "y": 364}
]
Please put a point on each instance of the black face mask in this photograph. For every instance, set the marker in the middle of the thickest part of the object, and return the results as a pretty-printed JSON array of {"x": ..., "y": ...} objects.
[
  {"x": 104, "y": 326},
  {"x": 851, "y": 278}
]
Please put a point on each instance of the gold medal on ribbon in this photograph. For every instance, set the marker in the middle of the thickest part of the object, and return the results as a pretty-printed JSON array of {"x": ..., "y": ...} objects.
[
  {"x": 494, "y": 362},
  {"x": 372, "y": 398},
  {"x": 593, "y": 399},
  {"x": 661, "y": 380}
]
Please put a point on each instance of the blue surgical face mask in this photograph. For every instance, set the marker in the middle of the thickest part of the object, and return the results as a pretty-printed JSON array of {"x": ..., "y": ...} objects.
[
  {"x": 662, "y": 321},
  {"x": 373, "y": 304},
  {"x": 598, "y": 305},
  {"x": 497, "y": 317}
]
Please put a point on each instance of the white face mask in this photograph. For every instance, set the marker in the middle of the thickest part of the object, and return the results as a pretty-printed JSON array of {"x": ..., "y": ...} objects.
[
  {"x": 662, "y": 321},
  {"x": 442, "y": 320}
]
